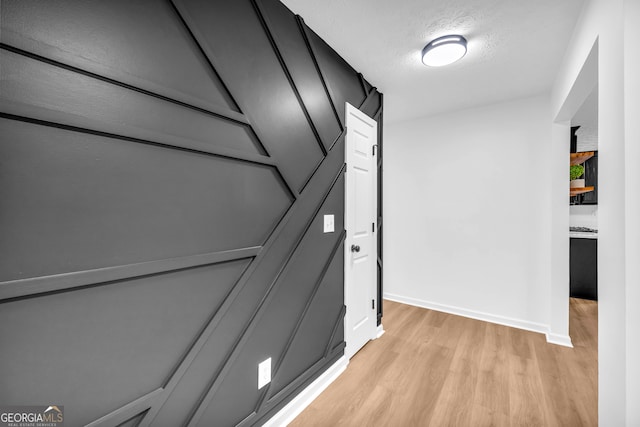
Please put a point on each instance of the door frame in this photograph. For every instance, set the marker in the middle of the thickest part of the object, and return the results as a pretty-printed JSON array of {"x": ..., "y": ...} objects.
[{"x": 377, "y": 330}]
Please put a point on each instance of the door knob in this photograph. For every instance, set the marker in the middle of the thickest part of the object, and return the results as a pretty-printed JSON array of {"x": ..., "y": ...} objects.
[{"x": 355, "y": 248}]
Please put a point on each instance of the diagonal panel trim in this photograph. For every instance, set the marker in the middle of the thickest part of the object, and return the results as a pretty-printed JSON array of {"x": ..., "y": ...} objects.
[
  {"x": 39, "y": 285},
  {"x": 265, "y": 23},
  {"x": 288, "y": 233},
  {"x": 290, "y": 387},
  {"x": 302, "y": 317},
  {"x": 378, "y": 112},
  {"x": 340, "y": 137},
  {"x": 334, "y": 331},
  {"x": 283, "y": 128},
  {"x": 215, "y": 63},
  {"x": 342, "y": 80},
  {"x": 292, "y": 44},
  {"x": 128, "y": 411},
  {"x": 52, "y": 92},
  {"x": 363, "y": 82},
  {"x": 252, "y": 323},
  {"x": 212, "y": 109},
  {"x": 371, "y": 96},
  {"x": 304, "y": 379},
  {"x": 23, "y": 114},
  {"x": 99, "y": 36},
  {"x": 305, "y": 33}
]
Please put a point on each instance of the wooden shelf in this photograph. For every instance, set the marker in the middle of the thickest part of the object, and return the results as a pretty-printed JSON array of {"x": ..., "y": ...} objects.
[
  {"x": 579, "y": 158},
  {"x": 580, "y": 190}
]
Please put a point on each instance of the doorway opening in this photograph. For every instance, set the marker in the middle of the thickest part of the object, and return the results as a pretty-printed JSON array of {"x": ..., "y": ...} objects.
[{"x": 577, "y": 256}]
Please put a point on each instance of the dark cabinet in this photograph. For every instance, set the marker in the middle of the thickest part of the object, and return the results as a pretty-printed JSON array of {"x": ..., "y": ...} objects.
[
  {"x": 583, "y": 270},
  {"x": 591, "y": 179}
]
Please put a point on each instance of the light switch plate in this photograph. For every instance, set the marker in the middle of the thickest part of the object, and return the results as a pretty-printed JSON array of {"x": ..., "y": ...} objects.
[
  {"x": 329, "y": 224},
  {"x": 264, "y": 373}
]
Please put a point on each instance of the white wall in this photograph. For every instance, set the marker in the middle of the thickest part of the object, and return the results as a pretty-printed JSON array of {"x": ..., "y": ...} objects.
[
  {"x": 467, "y": 218},
  {"x": 632, "y": 212},
  {"x": 603, "y": 25},
  {"x": 583, "y": 216},
  {"x": 447, "y": 240},
  {"x": 558, "y": 189}
]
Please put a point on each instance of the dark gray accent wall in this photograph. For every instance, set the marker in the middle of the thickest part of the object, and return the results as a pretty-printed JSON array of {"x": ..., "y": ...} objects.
[{"x": 164, "y": 171}]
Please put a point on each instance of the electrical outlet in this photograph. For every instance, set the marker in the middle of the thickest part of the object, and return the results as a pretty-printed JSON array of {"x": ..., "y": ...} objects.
[
  {"x": 264, "y": 373},
  {"x": 329, "y": 224}
]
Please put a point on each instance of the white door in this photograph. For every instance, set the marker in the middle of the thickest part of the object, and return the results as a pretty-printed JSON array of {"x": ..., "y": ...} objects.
[{"x": 360, "y": 219}]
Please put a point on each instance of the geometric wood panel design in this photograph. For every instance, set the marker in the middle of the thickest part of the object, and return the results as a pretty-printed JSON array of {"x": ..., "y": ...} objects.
[
  {"x": 303, "y": 69},
  {"x": 139, "y": 43},
  {"x": 138, "y": 202},
  {"x": 133, "y": 421},
  {"x": 237, "y": 44},
  {"x": 133, "y": 331},
  {"x": 318, "y": 321},
  {"x": 55, "y": 94},
  {"x": 236, "y": 395},
  {"x": 164, "y": 170},
  {"x": 345, "y": 85}
]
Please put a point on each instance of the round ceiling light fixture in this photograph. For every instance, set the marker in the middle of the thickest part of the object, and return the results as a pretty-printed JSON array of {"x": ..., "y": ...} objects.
[{"x": 444, "y": 50}]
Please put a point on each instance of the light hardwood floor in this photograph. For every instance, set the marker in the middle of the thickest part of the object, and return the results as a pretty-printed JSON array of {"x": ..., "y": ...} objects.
[{"x": 437, "y": 369}]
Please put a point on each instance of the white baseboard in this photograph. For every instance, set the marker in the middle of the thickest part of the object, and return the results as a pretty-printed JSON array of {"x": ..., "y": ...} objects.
[
  {"x": 564, "y": 340},
  {"x": 380, "y": 331},
  {"x": 308, "y": 395}
]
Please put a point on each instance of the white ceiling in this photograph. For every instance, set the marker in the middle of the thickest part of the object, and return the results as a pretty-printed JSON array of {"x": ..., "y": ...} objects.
[{"x": 514, "y": 47}]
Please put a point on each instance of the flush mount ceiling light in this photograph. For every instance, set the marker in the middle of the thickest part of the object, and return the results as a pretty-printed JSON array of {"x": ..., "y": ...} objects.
[{"x": 444, "y": 50}]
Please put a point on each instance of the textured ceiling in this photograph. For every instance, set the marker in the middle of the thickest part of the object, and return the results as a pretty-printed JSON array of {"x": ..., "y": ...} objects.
[{"x": 514, "y": 47}]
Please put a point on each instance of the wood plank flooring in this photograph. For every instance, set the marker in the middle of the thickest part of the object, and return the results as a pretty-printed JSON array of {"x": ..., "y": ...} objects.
[{"x": 436, "y": 369}]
